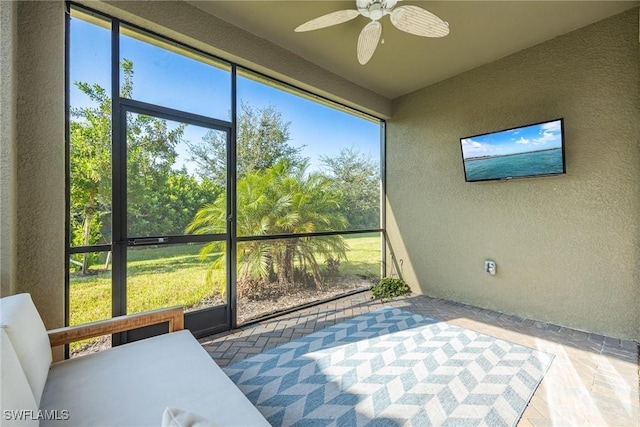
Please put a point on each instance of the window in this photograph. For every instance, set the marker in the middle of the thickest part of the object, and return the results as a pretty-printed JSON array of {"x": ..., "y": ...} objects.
[
  {"x": 173, "y": 76},
  {"x": 90, "y": 208},
  {"x": 289, "y": 139},
  {"x": 171, "y": 171}
]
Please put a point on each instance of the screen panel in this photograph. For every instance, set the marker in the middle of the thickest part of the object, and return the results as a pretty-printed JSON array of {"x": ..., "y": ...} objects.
[
  {"x": 279, "y": 274},
  {"x": 156, "y": 71},
  {"x": 303, "y": 165}
]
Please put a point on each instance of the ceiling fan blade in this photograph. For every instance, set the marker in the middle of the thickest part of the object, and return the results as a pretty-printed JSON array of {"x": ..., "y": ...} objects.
[
  {"x": 415, "y": 20},
  {"x": 368, "y": 41},
  {"x": 333, "y": 18}
]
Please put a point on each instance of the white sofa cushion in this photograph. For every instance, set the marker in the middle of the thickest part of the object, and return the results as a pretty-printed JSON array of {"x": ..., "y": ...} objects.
[
  {"x": 27, "y": 333},
  {"x": 134, "y": 383},
  {"x": 15, "y": 392}
]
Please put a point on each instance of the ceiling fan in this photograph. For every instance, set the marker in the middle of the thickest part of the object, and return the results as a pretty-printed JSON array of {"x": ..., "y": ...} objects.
[{"x": 411, "y": 19}]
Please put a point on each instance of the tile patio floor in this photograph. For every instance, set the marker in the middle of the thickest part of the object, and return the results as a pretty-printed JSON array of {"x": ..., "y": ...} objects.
[{"x": 593, "y": 379}]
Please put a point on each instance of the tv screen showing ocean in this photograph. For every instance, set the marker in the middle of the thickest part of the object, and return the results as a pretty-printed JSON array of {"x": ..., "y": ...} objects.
[{"x": 543, "y": 162}]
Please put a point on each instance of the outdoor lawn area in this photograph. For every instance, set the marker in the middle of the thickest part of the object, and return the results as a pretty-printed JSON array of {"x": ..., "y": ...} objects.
[{"x": 176, "y": 275}]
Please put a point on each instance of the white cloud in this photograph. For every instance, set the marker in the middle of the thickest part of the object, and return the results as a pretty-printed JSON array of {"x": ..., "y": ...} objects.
[
  {"x": 551, "y": 126},
  {"x": 549, "y": 133},
  {"x": 470, "y": 143},
  {"x": 522, "y": 140},
  {"x": 546, "y": 138},
  {"x": 471, "y": 148}
]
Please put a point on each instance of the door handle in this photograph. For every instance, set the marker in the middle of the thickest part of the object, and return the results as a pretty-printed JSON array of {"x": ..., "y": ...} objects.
[{"x": 147, "y": 241}]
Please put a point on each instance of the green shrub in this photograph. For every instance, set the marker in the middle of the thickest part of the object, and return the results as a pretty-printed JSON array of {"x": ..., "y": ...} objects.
[{"x": 389, "y": 287}]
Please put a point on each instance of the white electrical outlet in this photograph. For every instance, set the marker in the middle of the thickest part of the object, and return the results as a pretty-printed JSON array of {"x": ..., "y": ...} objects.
[{"x": 490, "y": 267}]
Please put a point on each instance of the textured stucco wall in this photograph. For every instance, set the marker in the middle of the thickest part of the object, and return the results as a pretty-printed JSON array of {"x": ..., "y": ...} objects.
[
  {"x": 40, "y": 142},
  {"x": 566, "y": 247},
  {"x": 190, "y": 25},
  {"x": 8, "y": 28}
]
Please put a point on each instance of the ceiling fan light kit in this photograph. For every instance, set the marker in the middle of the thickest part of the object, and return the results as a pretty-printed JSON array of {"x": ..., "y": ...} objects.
[{"x": 410, "y": 19}]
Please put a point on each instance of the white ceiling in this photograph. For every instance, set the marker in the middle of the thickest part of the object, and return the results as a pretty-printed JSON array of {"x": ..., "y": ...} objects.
[{"x": 480, "y": 32}]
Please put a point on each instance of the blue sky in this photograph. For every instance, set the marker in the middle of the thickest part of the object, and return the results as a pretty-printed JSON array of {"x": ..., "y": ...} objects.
[
  {"x": 520, "y": 140},
  {"x": 171, "y": 80}
]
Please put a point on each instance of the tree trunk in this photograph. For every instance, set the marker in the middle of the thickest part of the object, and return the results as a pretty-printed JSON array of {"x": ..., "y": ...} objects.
[
  {"x": 286, "y": 269},
  {"x": 291, "y": 268},
  {"x": 317, "y": 276},
  {"x": 271, "y": 272},
  {"x": 85, "y": 256},
  {"x": 86, "y": 238},
  {"x": 108, "y": 261}
]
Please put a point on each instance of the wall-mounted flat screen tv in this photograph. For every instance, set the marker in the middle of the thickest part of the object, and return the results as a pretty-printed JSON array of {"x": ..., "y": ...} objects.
[{"x": 522, "y": 152}]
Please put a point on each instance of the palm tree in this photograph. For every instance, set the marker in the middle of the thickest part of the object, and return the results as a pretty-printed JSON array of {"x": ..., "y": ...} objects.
[{"x": 282, "y": 199}]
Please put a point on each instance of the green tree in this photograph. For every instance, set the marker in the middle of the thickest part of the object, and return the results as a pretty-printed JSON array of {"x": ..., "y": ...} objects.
[
  {"x": 356, "y": 178},
  {"x": 262, "y": 140},
  {"x": 151, "y": 154},
  {"x": 161, "y": 198},
  {"x": 183, "y": 195},
  {"x": 282, "y": 199},
  {"x": 166, "y": 207},
  {"x": 90, "y": 166}
]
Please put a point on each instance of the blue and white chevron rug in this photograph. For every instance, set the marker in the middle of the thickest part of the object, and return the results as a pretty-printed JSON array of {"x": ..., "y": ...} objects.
[{"x": 392, "y": 368}]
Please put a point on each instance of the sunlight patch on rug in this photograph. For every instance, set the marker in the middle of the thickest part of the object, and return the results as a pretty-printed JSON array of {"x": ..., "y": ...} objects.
[{"x": 392, "y": 367}]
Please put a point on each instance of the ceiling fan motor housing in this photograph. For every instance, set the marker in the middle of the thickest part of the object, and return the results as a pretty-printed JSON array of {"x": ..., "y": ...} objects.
[{"x": 375, "y": 9}]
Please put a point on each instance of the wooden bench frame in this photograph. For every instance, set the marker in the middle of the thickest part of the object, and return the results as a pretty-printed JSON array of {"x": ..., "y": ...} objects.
[{"x": 173, "y": 315}]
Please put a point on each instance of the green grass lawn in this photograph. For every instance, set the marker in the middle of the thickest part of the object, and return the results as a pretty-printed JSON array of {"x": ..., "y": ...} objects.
[
  {"x": 363, "y": 256},
  {"x": 175, "y": 275}
]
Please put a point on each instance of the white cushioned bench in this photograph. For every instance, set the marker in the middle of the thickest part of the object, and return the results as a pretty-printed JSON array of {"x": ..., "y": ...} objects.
[{"x": 128, "y": 385}]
